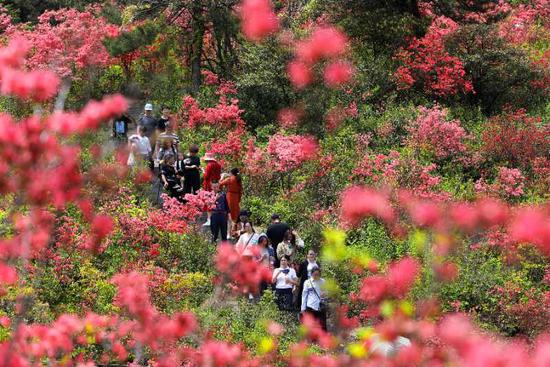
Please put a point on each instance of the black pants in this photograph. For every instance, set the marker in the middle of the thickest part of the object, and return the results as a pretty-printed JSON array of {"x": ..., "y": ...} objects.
[
  {"x": 218, "y": 223},
  {"x": 283, "y": 298},
  {"x": 320, "y": 316},
  {"x": 191, "y": 185}
]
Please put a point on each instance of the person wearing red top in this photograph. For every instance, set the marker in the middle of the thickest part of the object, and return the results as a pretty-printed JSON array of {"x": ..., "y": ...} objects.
[
  {"x": 234, "y": 188},
  {"x": 212, "y": 173}
]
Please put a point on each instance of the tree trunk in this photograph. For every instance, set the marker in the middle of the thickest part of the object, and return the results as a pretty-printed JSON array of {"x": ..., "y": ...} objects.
[{"x": 197, "y": 46}]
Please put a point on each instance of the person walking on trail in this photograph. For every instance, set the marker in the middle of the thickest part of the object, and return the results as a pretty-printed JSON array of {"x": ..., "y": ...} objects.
[
  {"x": 247, "y": 241},
  {"x": 167, "y": 142},
  {"x": 218, "y": 217},
  {"x": 148, "y": 122},
  {"x": 289, "y": 245},
  {"x": 284, "y": 278},
  {"x": 212, "y": 173},
  {"x": 238, "y": 229},
  {"x": 313, "y": 298},
  {"x": 191, "y": 171},
  {"x": 265, "y": 253},
  {"x": 140, "y": 148},
  {"x": 180, "y": 170},
  {"x": 304, "y": 272},
  {"x": 265, "y": 257},
  {"x": 168, "y": 176},
  {"x": 234, "y": 188},
  {"x": 276, "y": 232},
  {"x": 164, "y": 120},
  {"x": 120, "y": 128}
]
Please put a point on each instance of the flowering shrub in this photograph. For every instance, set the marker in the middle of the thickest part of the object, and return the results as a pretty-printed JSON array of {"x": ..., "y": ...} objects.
[
  {"x": 289, "y": 152},
  {"x": 395, "y": 171},
  {"x": 431, "y": 131},
  {"x": 225, "y": 114},
  {"x": 66, "y": 40},
  {"x": 427, "y": 65},
  {"x": 282, "y": 154},
  {"x": 524, "y": 311},
  {"x": 509, "y": 183},
  {"x": 81, "y": 222},
  {"x": 515, "y": 139},
  {"x": 526, "y": 22}
]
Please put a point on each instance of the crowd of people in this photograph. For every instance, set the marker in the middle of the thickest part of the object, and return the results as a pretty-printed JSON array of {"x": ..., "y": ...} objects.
[{"x": 298, "y": 286}]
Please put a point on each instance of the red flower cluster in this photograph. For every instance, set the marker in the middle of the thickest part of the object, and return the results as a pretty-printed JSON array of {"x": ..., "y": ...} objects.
[
  {"x": 431, "y": 131},
  {"x": 358, "y": 203},
  {"x": 527, "y": 22},
  {"x": 245, "y": 272},
  {"x": 289, "y": 117},
  {"x": 290, "y": 152},
  {"x": 427, "y": 64},
  {"x": 90, "y": 118},
  {"x": 395, "y": 284},
  {"x": 515, "y": 139},
  {"x": 529, "y": 225},
  {"x": 509, "y": 184},
  {"x": 35, "y": 85},
  {"x": 230, "y": 148},
  {"x": 225, "y": 114},
  {"x": 258, "y": 19},
  {"x": 66, "y": 40},
  {"x": 395, "y": 172},
  {"x": 324, "y": 43}
]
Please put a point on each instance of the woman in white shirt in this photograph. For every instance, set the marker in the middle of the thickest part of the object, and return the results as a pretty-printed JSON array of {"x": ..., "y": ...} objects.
[
  {"x": 247, "y": 240},
  {"x": 139, "y": 146},
  {"x": 304, "y": 273},
  {"x": 285, "y": 280},
  {"x": 313, "y": 299}
]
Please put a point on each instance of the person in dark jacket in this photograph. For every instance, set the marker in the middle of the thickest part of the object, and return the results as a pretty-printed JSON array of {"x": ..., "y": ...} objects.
[
  {"x": 120, "y": 128},
  {"x": 219, "y": 216},
  {"x": 304, "y": 273},
  {"x": 276, "y": 233},
  {"x": 169, "y": 178},
  {"x": 191, "y": 171},
  {"x": 149, "y": 123}
]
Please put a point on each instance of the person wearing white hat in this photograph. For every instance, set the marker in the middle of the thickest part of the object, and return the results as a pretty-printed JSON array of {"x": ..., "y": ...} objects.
[{"x": 148, "y": 122}]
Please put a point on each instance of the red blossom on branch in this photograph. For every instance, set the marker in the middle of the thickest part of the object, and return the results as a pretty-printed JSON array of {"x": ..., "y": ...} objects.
[{"x": 427, "y": 64}]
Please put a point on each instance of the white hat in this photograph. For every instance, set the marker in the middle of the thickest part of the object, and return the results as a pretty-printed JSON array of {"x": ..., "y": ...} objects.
[
  {"x": 148, "y": 107},
  {"x": 209, "y": 157}
]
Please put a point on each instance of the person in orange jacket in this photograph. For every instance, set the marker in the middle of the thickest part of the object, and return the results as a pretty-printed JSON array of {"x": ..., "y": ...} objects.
[{"x": 234, "y": 188}]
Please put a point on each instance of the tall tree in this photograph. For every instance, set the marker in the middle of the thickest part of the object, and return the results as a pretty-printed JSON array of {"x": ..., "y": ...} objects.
[{"x": 208, "y": 28}]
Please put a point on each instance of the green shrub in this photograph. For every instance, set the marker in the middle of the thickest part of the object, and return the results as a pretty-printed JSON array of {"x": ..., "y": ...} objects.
[
  {"x": 184, "y": 291},
  {"x": 191, "y": 253},
  {"x": 245, "y": 321}
]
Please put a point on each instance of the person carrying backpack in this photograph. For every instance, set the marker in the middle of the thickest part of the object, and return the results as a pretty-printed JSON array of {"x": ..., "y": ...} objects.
[{"x": 120, "y": 128}]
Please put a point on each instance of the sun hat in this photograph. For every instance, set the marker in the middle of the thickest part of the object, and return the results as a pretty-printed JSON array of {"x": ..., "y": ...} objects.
[
  {"x": 148, "y": 107},
  {"x": 209, "y": 157}
]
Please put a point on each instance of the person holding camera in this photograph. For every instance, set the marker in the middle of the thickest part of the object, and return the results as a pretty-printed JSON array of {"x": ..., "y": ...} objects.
[
  {"x": 285, "y": 279},
  {"x": 313, "y": 299}
]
